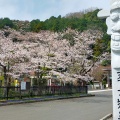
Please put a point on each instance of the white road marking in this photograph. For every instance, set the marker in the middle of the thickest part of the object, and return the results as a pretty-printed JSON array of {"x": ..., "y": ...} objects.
[{"x": 99, "y": 90}]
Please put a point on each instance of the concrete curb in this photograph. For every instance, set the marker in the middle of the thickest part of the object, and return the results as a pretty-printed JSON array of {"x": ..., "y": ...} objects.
[
  {"x": 4, "y": 103},
  {"x": 107, "y": 117}
]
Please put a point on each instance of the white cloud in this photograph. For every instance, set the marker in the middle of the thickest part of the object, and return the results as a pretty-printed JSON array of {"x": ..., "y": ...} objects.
[{"x": 43, "y": 9}]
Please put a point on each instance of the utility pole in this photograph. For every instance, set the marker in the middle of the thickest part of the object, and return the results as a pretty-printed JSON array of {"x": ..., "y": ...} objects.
[
  {"x": 5, "y": 76},
  {"x": 38, "y": 74},
  {"x": 5, "y": 79}
]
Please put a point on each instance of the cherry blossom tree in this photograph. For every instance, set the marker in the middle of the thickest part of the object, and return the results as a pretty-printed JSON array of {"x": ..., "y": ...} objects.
[{"x": 25, "y": 51}]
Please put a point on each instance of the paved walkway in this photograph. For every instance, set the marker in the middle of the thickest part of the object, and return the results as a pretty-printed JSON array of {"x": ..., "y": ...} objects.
[
  {"x": 110, "y": 119},
  {"x": 97, "y": 91},
  {"x": 87, "y": 108}
]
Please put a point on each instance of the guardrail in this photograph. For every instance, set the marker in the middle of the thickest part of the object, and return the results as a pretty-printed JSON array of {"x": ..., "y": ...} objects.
[{"x": 16, "y": 92}]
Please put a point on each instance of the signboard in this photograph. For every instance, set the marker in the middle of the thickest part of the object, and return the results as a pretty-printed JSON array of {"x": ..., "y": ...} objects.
[{"x": 23, "y": 85}]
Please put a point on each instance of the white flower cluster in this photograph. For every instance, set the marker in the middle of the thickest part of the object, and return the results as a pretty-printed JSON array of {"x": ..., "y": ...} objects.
[{"x": 25, "y": 51}]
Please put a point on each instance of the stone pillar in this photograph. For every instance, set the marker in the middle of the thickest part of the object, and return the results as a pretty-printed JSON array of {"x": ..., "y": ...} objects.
[
  {"x": 115, "y": 56},
  {"x": 113, "y": 23}
]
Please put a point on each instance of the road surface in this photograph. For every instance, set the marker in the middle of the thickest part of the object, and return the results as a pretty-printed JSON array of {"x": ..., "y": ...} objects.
[{"x": 88, "y": 108}]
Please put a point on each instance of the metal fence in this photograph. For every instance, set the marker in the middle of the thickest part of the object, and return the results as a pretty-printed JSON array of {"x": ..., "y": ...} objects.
[{"x": 16, "y": 92}]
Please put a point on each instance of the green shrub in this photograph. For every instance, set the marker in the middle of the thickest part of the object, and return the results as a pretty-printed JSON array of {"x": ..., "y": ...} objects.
[
  {"x": 13, "y": 93},
  {"x": 51, "y": 55},
  {"x": 1, "y": 92},
  {"x": 106, "y": 62},
  {"x": 70, "y": 38}
]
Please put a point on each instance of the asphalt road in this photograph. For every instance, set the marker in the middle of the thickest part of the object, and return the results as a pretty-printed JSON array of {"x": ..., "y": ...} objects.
[{"x": 89, "y": 108}]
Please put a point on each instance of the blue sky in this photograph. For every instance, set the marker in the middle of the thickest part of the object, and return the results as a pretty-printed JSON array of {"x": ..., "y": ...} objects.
[{"x": 44, "y": 9}]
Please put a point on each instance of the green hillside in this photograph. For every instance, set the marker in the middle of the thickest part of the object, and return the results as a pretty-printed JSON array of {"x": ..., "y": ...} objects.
[{"x": 77, "y": 21}]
